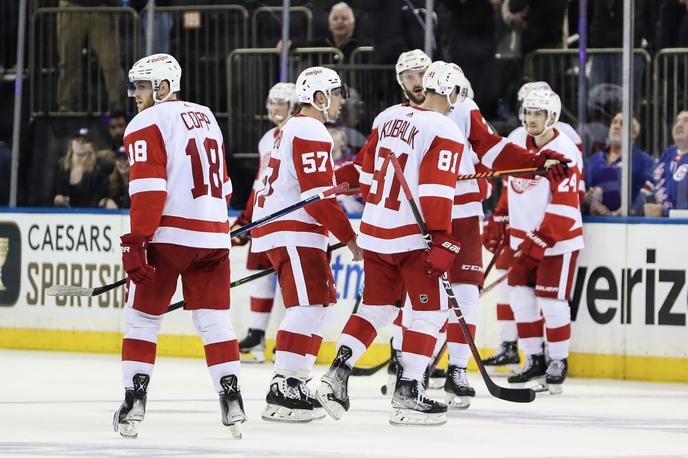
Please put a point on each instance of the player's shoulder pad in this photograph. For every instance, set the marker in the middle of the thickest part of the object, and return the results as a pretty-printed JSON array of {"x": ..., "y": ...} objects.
[
  {"x": 307, "y": 128},
  {"x": 384, "y": 114},
  {"x": 148, "y": 117},
  {"x": 564, "y": 145}
]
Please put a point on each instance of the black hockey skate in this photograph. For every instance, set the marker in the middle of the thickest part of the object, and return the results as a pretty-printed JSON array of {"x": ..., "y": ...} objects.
[
  {"x": 254, "y": 345},
  {"x": 318, "y": 410},
  {"x": 459, "y": 391},
  {"x": 556, "y": 373},
  {"x": 231, "y": 405},
  {"x": 505, "y": 359},
  {"x": 333, "y": 392},
  {"x": 392, "y": 371},
  {"x": 133, "y": 409},
  {"x": 534, "y": 369},
  {"x": 287, "y": 401},
  {"x": 412, "y": 408}
]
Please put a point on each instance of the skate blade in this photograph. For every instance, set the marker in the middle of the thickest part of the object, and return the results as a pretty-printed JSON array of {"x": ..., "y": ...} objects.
[
  {"x": 458, "y": 402},
  {"x": 128, "y": 430},
  {"x": 536, "y": 384},
  {"x": 235, "y": 429},
  {"x": 408, "y": 417},
  {"x": 555, "y": 388},
  {"x": 282, "y": 414},
  {"x": 506, "y": 370},
  {"x": 333, "y": 408},
  {"x": 253, "y": 357}
]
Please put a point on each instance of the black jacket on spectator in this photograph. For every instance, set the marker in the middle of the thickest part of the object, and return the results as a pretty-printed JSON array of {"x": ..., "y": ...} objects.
[
  {"x": 545, "y": 20},
  {"x": 672, "y": 25},
  {"x": 328, "y": 42},
  {"x": 5, "y": 171},
  {"x": 395, "y": 30},
  {"x": 81, "y": 195},
  {"x": 606, "y": 23}
]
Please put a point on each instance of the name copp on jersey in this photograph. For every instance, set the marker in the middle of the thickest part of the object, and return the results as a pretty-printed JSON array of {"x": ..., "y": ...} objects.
[
  {"x": 179, "y": 185},
  {"x": 429, "y": 149},
  {"x": 300, "y": 166},
  {"x": 554, "y": 209}
]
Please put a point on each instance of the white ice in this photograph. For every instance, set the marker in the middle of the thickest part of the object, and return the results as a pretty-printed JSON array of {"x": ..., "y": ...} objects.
[{"x": 61, "y": 404}]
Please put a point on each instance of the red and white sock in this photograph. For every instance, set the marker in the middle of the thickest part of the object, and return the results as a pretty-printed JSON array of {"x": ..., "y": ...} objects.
[
  {"x": 362, "y": 327},
  {"x": 529, "y": 322},
  {"x": 468, "y": 297},
  {"x": 262, "y": 300},
  {"x": 506, "y": 322},
  {"x": 419, "y": 342},
  {"x": 139, "y": 344},
  {"x": 220, "y": 344},
  {"x": 557, "y": 315},
  {"x": 294, "y": 338}
]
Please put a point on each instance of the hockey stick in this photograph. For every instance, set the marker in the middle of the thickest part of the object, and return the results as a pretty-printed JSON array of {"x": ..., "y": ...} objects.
[
  {"x": 357, "y": 371},
  {"x": 501, "y": 173},
  {"x": 507, "y": 394},
  {"x": 69, "y": 290},
  {"x": 248, "y": 278},
  {"x": 493, "y": 261},
  {"x": 494, "y": 284}
]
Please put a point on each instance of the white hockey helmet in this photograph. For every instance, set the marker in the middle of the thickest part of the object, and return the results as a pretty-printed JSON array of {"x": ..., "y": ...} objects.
[
  {"x": 545, "y": 100},
  {"x": 411, "y": 60},
  {"x": 527, "y": 89},
  {"x": 157, "y": 68},
  {"x": 321, "y": 79},
  {"x": 282, "y": 92},
  {"x": 442, "y": 78}
]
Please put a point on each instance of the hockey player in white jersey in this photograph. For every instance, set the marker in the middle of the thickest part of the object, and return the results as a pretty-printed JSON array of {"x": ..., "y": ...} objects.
[
  {"x": 429, "y": 147},
  {"x": 179, "y": 190},
  {"x": 281, "y": 104},
  {"x": 496, "y": 230},
  {"x": 546, "y": 234},
  {"x": 301, "y": 166}
]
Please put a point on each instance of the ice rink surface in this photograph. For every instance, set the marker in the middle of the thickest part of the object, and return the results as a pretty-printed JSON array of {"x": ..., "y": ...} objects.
[{"x": 61, "y": 404}]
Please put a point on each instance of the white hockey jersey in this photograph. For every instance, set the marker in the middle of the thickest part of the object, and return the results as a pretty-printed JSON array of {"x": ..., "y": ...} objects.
[
  {"x": 429, "y": 149},
  {"x": 553, "y": 209},
  {"x": 300, "y": 166},
  {"x": 179, "y": 185},
  {"x": 264, "y": 149}
]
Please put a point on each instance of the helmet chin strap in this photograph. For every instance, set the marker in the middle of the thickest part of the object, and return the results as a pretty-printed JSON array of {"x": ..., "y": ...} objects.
[
  {"x": 325, "y": 109},
  {"x": 164, "y": 99}
]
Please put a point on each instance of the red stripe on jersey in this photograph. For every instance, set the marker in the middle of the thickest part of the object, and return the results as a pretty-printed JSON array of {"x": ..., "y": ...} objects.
[
  {"x": 437, "y": 212},
  {"x": 146, "y": 208},
  {"x": 533, "y": 329},
  {"x": 455, "y": 333},
  {"x": 418, "y": 343},
  {"x": 288, "y": 226},
  {"x": 389, "y": 233},
  {"x": 568, "y": 236},
  {"x": 559, "y": 334},
  {"x": 197, "y": 225},
  {"x": 444, "y": 327},
  {"x": 138, "y": 350},
  {"x": 222, "y": 352},
  {"x": 292, "y": 342},
  {"x": 481, "y": 137},
  {"x": 146, "y": 150},
  {"x": 328, "y": 213},
  {"x": 468, "y": 198},
  {"x": 504, "y": 313},
  {"x": 360, "y": 329}
]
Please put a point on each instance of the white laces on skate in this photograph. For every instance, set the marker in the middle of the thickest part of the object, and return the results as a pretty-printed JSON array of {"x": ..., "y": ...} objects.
[{"x": 459, "y": 377}]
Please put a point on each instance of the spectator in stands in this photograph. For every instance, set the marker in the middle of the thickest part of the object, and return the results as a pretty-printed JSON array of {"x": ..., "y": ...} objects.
[
  {"x": 100, "y": 31},
  {"x": 603, "y": 173},
  {"x": 5, "y": 173},
  {"x": 467, "y": 33},
  {"x": 341, "y": 25},
  {"x": 74, "y": 179},
  {"x": 398, "y": 28},
  {"x": 672, "y": 24},
  {"x": 671, "y": 174},
  {"x": 114, "y": 190},
  {"x": 540, "y": 22},
  {"x": 116, "y": 123}
]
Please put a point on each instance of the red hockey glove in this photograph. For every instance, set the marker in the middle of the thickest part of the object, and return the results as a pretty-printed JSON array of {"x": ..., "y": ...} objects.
[
  {"x": 439, "y": 257},
  {"x": 134, "y": 258},
  {"x": 534, "y": 245},
  {"x": 495, "y": 231},
  {"x": 241, "y": 239},
  {"x": 557, "y": 171}
]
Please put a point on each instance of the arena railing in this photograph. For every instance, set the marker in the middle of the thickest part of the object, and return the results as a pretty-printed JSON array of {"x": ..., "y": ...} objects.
[
  {"x": 266, "y": 25},
  {"x": 559, "y": 67},
  {"x": 200, "y": 37},
  {"x": 250, "y": 75},
  {"x": 78, "y": 57},
  {"x": 362, "y": 55},
  {"x": 670, "y": 93}
]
